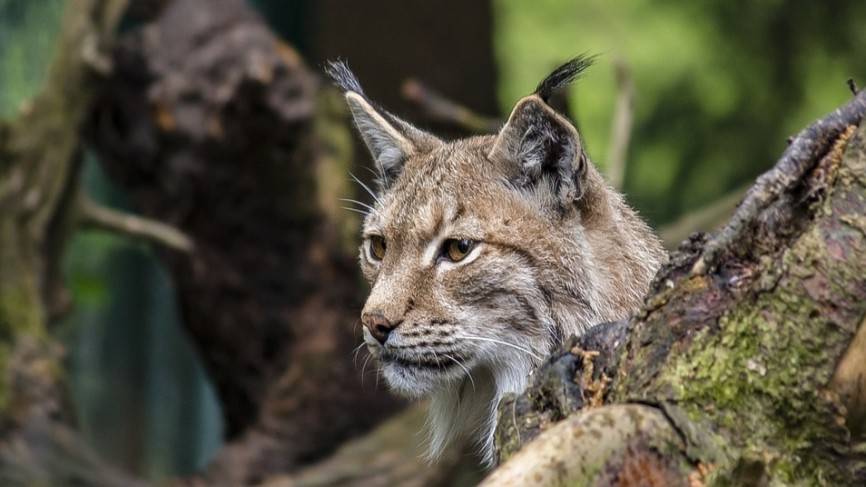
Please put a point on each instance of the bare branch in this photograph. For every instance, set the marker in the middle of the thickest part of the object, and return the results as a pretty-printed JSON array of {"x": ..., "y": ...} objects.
[
  {"x": 445, "y": 110},
  {"x": 804, "y": 152},
  {"x": 703, "y": 219},
  {"x": 621, "y": 126},
  {"x": 94, "y": 215}
]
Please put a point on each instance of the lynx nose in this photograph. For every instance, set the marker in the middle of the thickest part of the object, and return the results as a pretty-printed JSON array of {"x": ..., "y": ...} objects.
[{"x": 379, "y": 326}]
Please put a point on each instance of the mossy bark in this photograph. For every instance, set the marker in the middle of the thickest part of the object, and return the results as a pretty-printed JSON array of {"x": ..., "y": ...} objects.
[
  {"x": 758, "y": 342},
  {"x": 38, "y": 162},
  {"x": 39, "y": 155},
  {"x": 743, "y": 358}
]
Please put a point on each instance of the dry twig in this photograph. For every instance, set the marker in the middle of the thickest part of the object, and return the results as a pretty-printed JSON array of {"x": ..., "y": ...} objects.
[
  {"x": 94, "y": 215},
  {"x": 702, "y": 219},
  {"x": 445, "y": 110},
  {"x": 805, "y": 150},
  {"x": 621, "y": 125}
]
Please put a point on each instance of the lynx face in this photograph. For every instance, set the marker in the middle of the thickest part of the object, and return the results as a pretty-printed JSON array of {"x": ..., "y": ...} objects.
[
  {"x": 483, "y": 253},
  {"x": 448, "y": 251}
]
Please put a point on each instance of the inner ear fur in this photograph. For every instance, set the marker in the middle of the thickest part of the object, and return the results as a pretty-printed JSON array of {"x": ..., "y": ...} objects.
[
  {"x": 543, "y": 143},
  {"x": 390, "y": 140},
  {"x": 389, "y": 147}
]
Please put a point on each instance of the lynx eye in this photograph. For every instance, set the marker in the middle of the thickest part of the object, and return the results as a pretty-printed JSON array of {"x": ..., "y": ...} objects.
[
  {"x": 377, "y": 247},
  {"x": 457, "y": 249}
]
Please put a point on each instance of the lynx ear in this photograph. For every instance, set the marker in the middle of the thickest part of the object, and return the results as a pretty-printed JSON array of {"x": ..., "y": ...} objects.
[
  {"x": 387, "y": 145},
  {"x": 543, "y": 143},
  {"x": 390, "y": 140},
  {"x": 545, "y": 146}
]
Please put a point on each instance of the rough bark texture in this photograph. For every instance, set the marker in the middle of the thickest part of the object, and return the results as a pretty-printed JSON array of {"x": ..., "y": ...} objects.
[
  {"x": 567, "y": 383},
  {"x": 752, "y": 355},
  {"x": 623, "y": 444}
]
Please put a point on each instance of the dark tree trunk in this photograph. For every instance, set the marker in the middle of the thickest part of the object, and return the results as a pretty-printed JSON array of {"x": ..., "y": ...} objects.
[{"x": 214, "y": 125}]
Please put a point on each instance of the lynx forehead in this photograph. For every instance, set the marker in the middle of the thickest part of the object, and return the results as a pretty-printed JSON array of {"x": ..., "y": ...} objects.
[{"x": 483, "y": 253}]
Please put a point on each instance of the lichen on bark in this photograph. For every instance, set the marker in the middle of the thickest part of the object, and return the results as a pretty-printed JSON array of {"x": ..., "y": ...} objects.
[{"x": 759, "y": 375}]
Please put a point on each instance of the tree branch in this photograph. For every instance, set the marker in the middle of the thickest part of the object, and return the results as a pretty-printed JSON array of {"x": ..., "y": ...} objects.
[
  {"x": 94, "y": 215},
  {"x": 701, "y": 220},
  {"x": 590, "y": 441},
  {"x": 445, "y": 110},
  {"x": 803, "y": 153},
  {"x": 621, "y": 126}
]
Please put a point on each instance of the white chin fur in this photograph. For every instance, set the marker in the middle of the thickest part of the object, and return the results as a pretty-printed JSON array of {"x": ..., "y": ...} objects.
[
  {"x": 418, "y": 382},
  {"x": 468, "y": 409},
  {"x": 460, "y": 407},
  {"x": 407, "y": 382}
]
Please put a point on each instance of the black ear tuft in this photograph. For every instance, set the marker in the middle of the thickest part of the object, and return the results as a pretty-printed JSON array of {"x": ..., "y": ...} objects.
[
  {"x": 563, "y": 76},
  {"x": 390, "y": 140},
  {"x": 343, "y": 77}
]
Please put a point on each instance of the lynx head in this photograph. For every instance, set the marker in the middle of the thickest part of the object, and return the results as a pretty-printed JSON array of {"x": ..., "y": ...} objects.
[{"x": 483, "y": 253}]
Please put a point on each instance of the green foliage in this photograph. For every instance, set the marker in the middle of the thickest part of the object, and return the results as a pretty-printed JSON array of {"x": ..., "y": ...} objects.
[
  {"x": 141, "y": 395},
  {"x": 720, "y": 84},
  {"x": 27, "y": 32}
]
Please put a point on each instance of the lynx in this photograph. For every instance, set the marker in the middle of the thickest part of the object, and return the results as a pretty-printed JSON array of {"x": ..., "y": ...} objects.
[{"x": 484, "y": 253}]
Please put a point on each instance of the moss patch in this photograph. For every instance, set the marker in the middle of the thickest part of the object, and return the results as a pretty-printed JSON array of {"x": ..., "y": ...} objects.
[{"x": 759, "y": 376}]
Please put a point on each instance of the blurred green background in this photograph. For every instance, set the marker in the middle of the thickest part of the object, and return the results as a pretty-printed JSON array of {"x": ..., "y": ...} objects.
[{"x": 719, "y": 86}]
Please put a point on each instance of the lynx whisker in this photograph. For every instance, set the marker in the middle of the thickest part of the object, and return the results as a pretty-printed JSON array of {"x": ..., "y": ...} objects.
[
  {"x": 366, "y": 188},
  {"x": 362, "y": 212},
  {"x": 364, "y": 368},
  {"x": 359, "y": 203},
  {"x": 516, "y": 347},
  {"x": 355, "y": 353},
  {"x": 374, "y": 173},
  {"x": 468, "y": 374}
]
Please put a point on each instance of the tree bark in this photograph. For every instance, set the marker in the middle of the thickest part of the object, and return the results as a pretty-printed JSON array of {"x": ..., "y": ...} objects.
[{"x": 746, "y": 364}]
